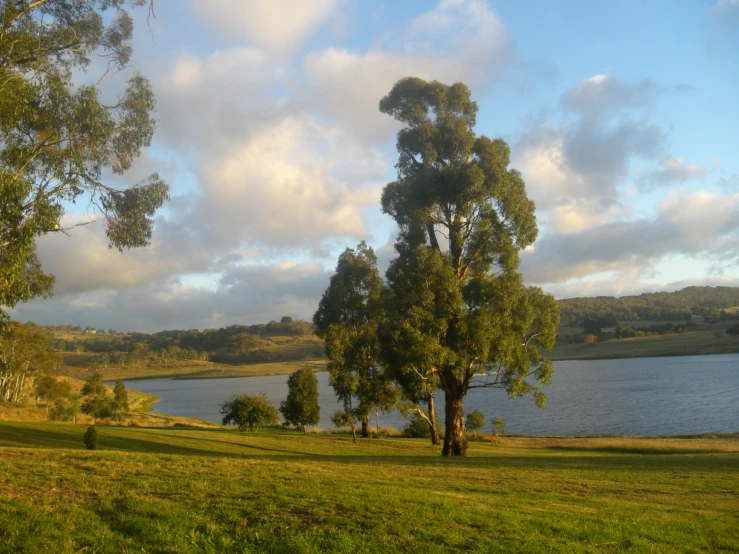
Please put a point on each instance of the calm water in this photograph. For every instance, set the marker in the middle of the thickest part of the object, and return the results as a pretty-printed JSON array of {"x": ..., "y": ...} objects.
[{"x": 643, "y": 396}]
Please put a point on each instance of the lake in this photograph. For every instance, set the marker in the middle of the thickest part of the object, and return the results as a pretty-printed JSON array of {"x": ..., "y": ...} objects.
[{"x": 636, "y": 396}]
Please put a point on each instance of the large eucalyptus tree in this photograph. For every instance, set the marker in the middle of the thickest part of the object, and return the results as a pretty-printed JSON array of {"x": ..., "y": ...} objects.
[
  {"x": 458, "y": 314},
  {"x": 58, "y": 137}
]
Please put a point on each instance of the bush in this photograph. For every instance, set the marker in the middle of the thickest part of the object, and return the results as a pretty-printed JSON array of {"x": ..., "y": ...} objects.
[
  {"x": 249, "y": 411},
  {"x": 418, "y": 428},
  {"x": 475, "y": 421},
  {"x": 733, "y": 330},
  {"x": 65, "y": 409},
  {"x": 90, "y": 438}
]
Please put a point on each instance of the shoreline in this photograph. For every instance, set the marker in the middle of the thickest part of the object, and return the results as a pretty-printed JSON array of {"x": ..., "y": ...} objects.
[{"x": 203, "y": 375}]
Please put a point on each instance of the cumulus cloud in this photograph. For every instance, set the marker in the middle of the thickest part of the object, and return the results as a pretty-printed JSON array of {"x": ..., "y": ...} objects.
[
  {"x": 700, "y": 224},
  {"x": 273, "y": 25},
  {"x": 458, "y": 40},
  {"x": 574, "y": 169}
]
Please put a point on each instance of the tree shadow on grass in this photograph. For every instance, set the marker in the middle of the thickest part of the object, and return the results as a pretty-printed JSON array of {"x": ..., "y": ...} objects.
[{"x": 115, "y": 439}]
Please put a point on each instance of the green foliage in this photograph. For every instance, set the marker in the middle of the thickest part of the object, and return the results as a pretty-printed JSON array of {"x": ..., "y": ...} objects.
[
  {"x": 48, "y": 388},
  {"x": 95, "y": 399},
  {"x": 57, "y": 138},
  {"x": 301, "y": 406},
  {"x": 459, "y": 317},
  {"x": 65, "y": 409},
  {"x": 90, "y": 438},
  {"x": 665, "y": 306},
  {"x": 344, "y": 419},
  {"x": 475, "y": 421},
  {"x": 94, "y": 385},
  {"x": 347, "y": 318},
  {"x": 120, "y": 399},
  {"x": 417, "y": 427},
  {"x": 249, "y": 411},
  {"x": 733, "y": 330},
  {"x": 23, "y": 354},
  {"x": 499, "y": 427}
]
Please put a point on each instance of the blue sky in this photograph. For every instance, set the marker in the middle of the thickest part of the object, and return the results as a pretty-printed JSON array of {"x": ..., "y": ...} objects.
[{"x": 620, "y": 115}]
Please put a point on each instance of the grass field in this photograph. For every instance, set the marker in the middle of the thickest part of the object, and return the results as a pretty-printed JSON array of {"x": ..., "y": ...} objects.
[
  {"x": 187, "y": 370},
  {"x": 186, "y": 490},
  {"x": 682, "y": 344}
]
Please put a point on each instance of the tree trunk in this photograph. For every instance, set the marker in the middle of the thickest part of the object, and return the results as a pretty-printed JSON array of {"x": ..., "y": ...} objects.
[
  {"x": 455, "y": 443},
  {"x": 305, "y": 430},
  {"x": 365, "y": 426},
  {"x": 354, "y": 432},
  {"x": 432, "y": 422},
  {"x": 377, "y": 421}
]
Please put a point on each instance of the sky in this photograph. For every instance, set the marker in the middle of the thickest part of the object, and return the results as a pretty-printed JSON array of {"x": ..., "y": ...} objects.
[{"x": 621, "y": 116}]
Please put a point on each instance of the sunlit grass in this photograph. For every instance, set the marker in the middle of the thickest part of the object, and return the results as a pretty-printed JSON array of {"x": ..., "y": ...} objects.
[{"x": 188, "y": 490}]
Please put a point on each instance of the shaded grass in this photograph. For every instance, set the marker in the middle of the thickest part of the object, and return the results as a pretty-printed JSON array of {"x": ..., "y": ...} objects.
[{"x": 173, "y": 490}]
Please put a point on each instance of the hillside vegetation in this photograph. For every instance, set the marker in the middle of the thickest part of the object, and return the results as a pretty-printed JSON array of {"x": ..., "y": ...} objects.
[
  {"x": 182, "y": 490},
  {"x": 706, "y": 302}
]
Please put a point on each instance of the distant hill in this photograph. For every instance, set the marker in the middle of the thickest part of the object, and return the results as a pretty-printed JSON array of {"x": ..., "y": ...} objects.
[{"x": 707, "y": 302}]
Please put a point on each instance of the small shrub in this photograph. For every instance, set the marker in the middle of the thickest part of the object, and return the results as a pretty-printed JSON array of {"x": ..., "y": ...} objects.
[
  {"x": 90, "y": 438},
  {"x": 417, "y": 427},
  {"x": 475, "y": 422}
]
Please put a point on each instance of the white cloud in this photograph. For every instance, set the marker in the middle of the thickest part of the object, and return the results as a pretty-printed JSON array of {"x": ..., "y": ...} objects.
[
  {"x": 574, "y": 169},
  {"x": 275, "y": 25},
  {"x": 701, "y": 225},
  {"x": 459, "y": 40}
]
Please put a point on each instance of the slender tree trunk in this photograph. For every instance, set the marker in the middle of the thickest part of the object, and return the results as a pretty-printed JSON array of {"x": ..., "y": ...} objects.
[
  {"x": 365, "y": 426},
  {"x": 354, "y": 432},
  {"x": 455, "y": 443},
  {"x": 305, "y": 431},
  {"x": 377, "y": 421},
  {"x": 432, "y": 422}
]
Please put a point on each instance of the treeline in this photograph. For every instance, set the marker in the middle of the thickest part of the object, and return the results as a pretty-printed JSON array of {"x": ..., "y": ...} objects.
[
  {"x": 235, "y": 344},
  {"x": 607, "y": 311}
]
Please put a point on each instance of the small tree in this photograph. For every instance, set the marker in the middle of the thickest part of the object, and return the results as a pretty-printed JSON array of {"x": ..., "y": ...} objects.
[
  {"x": 249, "y": 411},
  {"x": 120, "y": 399},
  {"x": 499, "y": 427},
  {"x": 65, "y": 409},
  {"x": 94, "y": 385},
  {"x": 346, "y": 418},
  {"x": 96, "y": 401},
  {"x": 90, "y": 438},
  {"x": 49, "y": 389},
  {"x": 475, "y": 422},
  {"x": 301, "y": 406}
]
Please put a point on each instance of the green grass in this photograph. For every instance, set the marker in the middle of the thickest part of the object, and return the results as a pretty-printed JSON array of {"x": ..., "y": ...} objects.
[
  {"x": 183, "y": 490},
  {"x": 679, "y": 344}
]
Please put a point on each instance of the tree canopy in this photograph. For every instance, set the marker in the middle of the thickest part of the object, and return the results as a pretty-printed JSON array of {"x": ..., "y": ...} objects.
[
  {"x": 348, "y": 317},
  {"x": 301, "y": 408},
  {"x": 463, "y": 217},
  {"x": 58, "y": 138},
  {"x": 249, "y": 411}
]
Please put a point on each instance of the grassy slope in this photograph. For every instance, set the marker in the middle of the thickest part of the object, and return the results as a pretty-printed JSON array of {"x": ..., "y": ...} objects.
[
  {"x": 216, "y": 491},
  {"x": 683, "y": 344}
]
